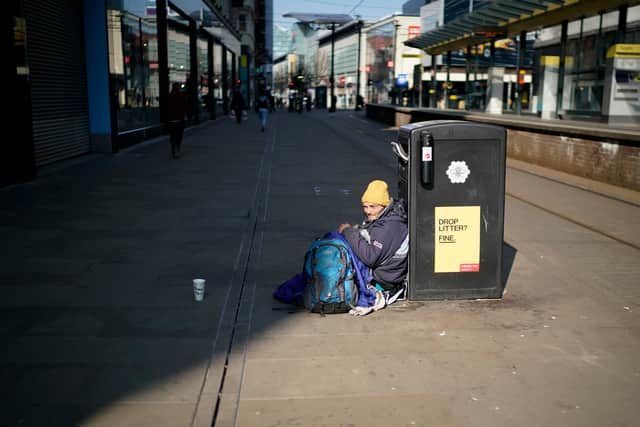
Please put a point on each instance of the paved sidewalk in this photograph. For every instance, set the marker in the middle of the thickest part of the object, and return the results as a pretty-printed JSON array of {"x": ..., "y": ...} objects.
[{"x": 100, "y": 327}]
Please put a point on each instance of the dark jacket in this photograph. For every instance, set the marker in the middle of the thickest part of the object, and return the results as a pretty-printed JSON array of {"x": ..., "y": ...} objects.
[
  {"x": 237, "y": 101},
  {"x": 177, "y": 105},
  {"x": 383, "y": 244},
  {"x": 263, "y": 102}
]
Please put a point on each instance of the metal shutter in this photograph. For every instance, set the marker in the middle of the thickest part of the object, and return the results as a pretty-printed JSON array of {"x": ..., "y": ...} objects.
[{"x": 55, "y": 49}]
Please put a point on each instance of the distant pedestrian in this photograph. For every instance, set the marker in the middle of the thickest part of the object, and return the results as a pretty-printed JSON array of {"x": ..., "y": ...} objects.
[
  {"x": 177, "y": 111},
  {"x": 263, "y": 109},
  {"x": 299, "y": 103},
  {"x": 272, "y": 102},
  {"x": 237, "y": 104},
  {"x": 291, "y": 102}
]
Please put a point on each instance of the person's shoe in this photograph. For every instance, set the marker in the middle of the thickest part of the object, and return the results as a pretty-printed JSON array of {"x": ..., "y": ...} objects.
[
  {"x": 262, "y": 128},
  {"x": 395, "y": 294},
  {"x": 380, "y": 302}
]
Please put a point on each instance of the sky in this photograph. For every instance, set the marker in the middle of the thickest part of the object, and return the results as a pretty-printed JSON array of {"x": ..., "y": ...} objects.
[{"x": 367, "y": 9}]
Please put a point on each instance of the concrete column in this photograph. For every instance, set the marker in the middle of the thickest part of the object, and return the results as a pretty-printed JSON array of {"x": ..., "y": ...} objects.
[
  {"x": 561, "y": 67},
  {"x": 100, "y": 103},
  {"x": 495, "y": 84},
  {"x": 522, "y": 48},
  {"x": 434, "y": 82},
  {"x": 548, "y": 86},
  {"x": 568, "y": 86}
]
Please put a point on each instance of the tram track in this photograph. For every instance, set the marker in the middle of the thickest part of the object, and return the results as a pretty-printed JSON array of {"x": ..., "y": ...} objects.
[
  {"x": 250, "y": 250},
  {"x": 240, "y": 290},
  {"x": 573, "y": 221},
  {"x": 586, "y": 188}
]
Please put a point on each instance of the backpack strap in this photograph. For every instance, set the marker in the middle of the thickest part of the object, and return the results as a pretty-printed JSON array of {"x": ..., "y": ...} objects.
[
  {"x": 315, "y": 274},
  {"x": 343, "y": 259}
]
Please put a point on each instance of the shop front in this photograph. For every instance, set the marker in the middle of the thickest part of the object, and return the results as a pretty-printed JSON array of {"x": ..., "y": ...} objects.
[{"x": 153, "y": 44}]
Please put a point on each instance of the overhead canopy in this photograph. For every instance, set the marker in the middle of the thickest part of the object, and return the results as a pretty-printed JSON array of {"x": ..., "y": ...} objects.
[
  {"x": 320, "y": 18},
  {"x": 503, "y": 18}
]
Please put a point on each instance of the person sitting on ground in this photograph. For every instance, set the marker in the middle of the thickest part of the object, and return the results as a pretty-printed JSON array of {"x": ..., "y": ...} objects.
[
  {"x": 378, "y": 249},
  {"x": 382, "y": 240}
]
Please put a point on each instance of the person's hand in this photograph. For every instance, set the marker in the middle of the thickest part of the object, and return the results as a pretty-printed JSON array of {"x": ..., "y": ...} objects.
[{"x": 342, "y": 227}]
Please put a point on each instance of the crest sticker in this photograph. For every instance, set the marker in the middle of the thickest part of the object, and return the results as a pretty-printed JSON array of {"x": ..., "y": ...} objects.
[{"x": 458, "y": 172}]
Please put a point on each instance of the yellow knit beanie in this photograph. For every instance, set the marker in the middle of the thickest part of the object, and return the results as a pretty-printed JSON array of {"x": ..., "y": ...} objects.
[{"x": 377, "y": 192}]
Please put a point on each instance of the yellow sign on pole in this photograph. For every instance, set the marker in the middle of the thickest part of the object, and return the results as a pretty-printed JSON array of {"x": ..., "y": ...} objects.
[{"x": 457, "y": 239}]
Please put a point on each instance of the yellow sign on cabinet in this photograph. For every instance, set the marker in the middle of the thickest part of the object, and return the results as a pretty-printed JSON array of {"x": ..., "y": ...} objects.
[{"x": 457, "y": 239}]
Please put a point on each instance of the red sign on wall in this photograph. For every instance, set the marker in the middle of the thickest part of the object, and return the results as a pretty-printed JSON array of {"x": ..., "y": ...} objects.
[{"x": 414, "y": 31}]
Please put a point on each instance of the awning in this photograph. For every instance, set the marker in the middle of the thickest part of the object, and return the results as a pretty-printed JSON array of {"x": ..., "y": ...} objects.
[
  {"x": 504, "y": 18},
  {"x": 320, "y": 18}
]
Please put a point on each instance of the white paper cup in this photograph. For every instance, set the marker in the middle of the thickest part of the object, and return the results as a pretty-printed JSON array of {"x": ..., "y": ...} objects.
[{"x": 198, "y": 289}]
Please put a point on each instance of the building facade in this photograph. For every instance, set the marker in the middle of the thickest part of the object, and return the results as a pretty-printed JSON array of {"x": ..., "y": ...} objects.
[
  {"x": 576, "y": 61},
  {"x": 346, "y": 52},
  {"x": 94, "y": 76},
  {"x": 367, "y": 59},
  {"x": 389, "y": 63},
  {"x": 285, "y": 70}
]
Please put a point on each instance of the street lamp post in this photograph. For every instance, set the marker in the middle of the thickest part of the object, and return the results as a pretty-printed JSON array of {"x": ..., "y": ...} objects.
[
  {"x": 358, "y": 67},
  {"x": 331, "y": 78},
  {"x": 394, "y": 70}
]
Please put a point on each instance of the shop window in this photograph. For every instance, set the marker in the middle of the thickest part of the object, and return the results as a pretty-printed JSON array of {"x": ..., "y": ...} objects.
[
  {"x": 217, "y": 75},
  {"x": 178, "y": 54},
  {"x": 133, "y": 65},
  {"x": 585, "y": 69},
  {"x": 204, "y": 98}
]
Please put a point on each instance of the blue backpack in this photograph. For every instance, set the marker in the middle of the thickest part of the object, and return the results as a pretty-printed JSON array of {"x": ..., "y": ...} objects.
[{"x": 330, "y": 286}]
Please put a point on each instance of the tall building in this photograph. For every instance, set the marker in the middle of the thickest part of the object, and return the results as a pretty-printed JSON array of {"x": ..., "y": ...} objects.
[
  {"x": 304, "y": 43},
  {"x": 268, "y": 31},
  {"x": 412, "y": 7},
  {"x": 281, "y": 41}
]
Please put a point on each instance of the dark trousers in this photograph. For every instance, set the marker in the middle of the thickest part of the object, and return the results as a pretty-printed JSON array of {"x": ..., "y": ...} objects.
[
  {"x": 176, "y": 129},
  {"x": 391, "y": 287}
]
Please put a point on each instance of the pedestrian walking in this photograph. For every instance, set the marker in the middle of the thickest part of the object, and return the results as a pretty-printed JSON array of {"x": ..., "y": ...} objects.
[
  {"x": 177, "y": 111},
  {"x": 272, "y": 102},
  {"x": 237, "y": 104},
  {"x": 263, "y": 109}
]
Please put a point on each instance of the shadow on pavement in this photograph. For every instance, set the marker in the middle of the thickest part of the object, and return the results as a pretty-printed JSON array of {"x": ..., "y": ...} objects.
[
  {"x": 98, "y": 318},
  {"x": 508, "y": 258},
  {"x": 97, "y": 312}
]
